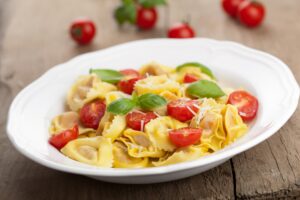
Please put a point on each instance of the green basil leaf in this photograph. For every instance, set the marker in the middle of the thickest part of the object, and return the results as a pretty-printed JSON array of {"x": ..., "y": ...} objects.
[
  {"x": 150, "y": 101},
  {"x": 151, "y": 3},
  {"x": 107, "y": 75},
  {"x": 126, "y": 13},
  {"x": 135, "y": 97},
  {"x": 121, "y": 106},
  {"x": 203, "y": 68},
  {"x": 205, "y": 88}
]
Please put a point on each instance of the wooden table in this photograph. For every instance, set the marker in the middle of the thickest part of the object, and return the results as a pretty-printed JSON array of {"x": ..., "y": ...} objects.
[{"x": 33, "y": 38}]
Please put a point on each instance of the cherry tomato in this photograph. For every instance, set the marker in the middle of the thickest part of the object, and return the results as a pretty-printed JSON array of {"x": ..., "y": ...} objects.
[
  {"x": 246, "y": 103},
  {"x": 185, "y": 136},
  {"x": 130, "y": 72},
  {"x": 180, "y": 109},
  {"x": 61, "y": 139},
  {"x": 127, "y": 86},
  {"x": 190, "y": 78},
  {"x": 91, "y": 113},
  {"x": 82, "y": 30},
  {"x": 146, "y": 18},
  {"x": 134, "y": 119},
  {"x": 231, "y": 6},
  {"x": 251, "y": 13},
  {"x": 181, "y": 30}
]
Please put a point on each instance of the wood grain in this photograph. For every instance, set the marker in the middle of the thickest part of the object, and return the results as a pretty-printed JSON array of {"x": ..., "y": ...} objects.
[{"x": 270, "y": 170}]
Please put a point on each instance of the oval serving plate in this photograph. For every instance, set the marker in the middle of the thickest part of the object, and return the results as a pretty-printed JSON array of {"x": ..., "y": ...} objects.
[{"x": 268, "y": 78}]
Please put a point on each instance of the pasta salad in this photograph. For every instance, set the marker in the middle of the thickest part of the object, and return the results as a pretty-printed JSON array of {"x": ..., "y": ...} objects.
[{"x": 154, "y": 116}]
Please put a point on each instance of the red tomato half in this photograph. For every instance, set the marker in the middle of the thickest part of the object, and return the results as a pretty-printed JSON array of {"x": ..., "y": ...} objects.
[
  {"x": 130, "y": 72},
  {"x": 146, "y": 18},
  {"x": 181, "y": 30},
  {"x": 180, "y": 109},
  {"x": 246, "y": 103},
  {"x": 231, "y": 6},
  {"x": 190, "y": 78},
  {"x": 127, "y": 86},
  {"x": 134, "y": 119},
  {"x": 61, "y": 139},
  {"x": 82, "y": 30},
  {"x": 251, "y": 13},
  {"x": 91, "y": 113},
  {"x": 185, "y": 136}
]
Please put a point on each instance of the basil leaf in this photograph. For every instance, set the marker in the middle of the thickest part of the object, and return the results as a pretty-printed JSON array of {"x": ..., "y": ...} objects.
[
  {"x": 107, "y": 75},
  {"x": 150, "y": 101},
  {"x": 126, "y": 13},
  {"x": 121, "y": 106},
  {"x": 205, "y": 88},
  {"x": 151, "y": 3},
  {"x": 203, "y": 68}
]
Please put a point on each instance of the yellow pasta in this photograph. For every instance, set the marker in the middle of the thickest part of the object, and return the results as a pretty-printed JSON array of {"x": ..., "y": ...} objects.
[
  {"x": 168, "y": 125},
  {"x": 96, "y": 151},
  {"x": 156, "y": 85},
  {"x": 158, "y": 129},
  {"x": 66, "y": 121},
  {"x": 114, "y": 129},
  {"x": 139, "y": 145},
  {"x": 86, "y": 89},
  {"x": 123, "y": 160}
]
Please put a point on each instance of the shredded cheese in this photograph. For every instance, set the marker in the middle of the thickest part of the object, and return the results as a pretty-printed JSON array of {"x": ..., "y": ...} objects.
[
  {"x": 156, "y": 114},
  {"x": 142, "y": 125},
  {"x": 191, "y": 110}
]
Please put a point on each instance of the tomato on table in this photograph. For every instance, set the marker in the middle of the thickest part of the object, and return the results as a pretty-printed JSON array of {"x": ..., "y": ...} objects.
[
  {"x": 185, "y": 136},
  {"x": 61, "y": 139},
  {"x": 182, "y": 109},
  {"x": 190, "y": 78},
  {"x": 91, "y": 113},
  {"x": 246, "y": 104},
  {"x": 83, "y": 30},
  {"x": 136, "y": 119},
  {"x": 231, "y": 6},
  {"x": 251, "y": 13},
  {"x": 181, "y": 30},
  {"x": 146, "y": 18},
  {"x": 131, "y": 76}
]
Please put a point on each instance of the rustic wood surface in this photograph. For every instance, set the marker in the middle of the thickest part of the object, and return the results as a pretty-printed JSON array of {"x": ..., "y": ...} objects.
[{"x": 33, "y": 38}]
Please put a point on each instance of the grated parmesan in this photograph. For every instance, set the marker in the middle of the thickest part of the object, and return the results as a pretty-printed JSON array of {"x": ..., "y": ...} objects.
[
  {"x": 142, "y": 125},
  {"x": 191, "y": 110}
]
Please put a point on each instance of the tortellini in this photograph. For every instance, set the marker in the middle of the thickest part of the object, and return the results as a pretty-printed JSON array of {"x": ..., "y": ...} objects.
[
  {"x": 94, "y": 151},
  {"x": 115, "y": 95},
  {"x": 155, "y": 69},
  {"x": 66, "y": 121},
  {"x": 194, "y": 71},
  {"x": 234, "y": 125},
  {"x": 158, "y": 129},
  {"x": 87, "y": 88},
  {"x": 156, "y": 85},
  {"x": 115, "y": 143},
  {"x": 139, "y": 145},
  {"x": 181, "y": 155},
  {"x": 123, "y": 160},
  {"x": 115, "y": 128}
]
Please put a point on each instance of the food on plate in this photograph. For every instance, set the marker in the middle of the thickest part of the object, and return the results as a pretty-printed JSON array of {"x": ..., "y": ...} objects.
[{"x": 154, "y": 116}]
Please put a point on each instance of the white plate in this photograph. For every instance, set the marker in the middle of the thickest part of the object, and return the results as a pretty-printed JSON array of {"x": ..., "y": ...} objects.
[{"x": 235, "y": 65}]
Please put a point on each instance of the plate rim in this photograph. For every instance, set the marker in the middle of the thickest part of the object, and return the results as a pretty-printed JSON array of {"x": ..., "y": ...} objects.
[{"x": 116, "y": 172}]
